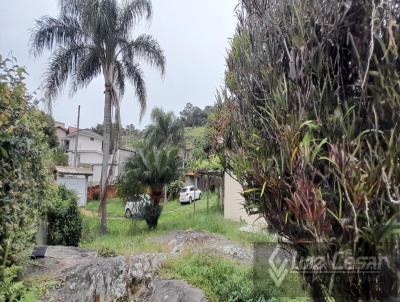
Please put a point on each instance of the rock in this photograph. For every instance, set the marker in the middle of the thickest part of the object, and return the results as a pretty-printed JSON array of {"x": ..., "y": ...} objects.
[
  {"x": 142, "y": 267},
  {"x": 250, "y": 229},
  {"x": 102, "y": 279},
  {"x": 57, "y": 259},
  {"x": 196, "y": 241},
  {"x": 171, "y": 291},
  {"x": 86, "y": 277}
]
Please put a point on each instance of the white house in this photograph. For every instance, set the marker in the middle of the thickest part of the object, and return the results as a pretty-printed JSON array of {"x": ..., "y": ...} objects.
[{"x": 90, "y": 154}]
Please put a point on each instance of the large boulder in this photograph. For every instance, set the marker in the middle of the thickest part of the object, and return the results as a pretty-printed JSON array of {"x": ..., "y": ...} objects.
[
  {"x": 84, "y": 276},
  {"x": 102, "y": 279}
]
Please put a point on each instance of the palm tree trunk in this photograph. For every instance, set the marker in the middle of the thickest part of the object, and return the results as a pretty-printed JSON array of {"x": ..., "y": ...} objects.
[{"x": 106, "y": 158}]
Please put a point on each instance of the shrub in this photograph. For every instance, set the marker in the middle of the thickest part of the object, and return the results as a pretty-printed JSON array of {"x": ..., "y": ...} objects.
[
  {"x": 174, "y": 188},
  {"x": 65, "y": 223},
  {"x": 313, "y": 136}
]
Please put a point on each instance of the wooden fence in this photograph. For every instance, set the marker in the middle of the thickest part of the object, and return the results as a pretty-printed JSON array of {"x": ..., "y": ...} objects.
[{"x": 93, "y": 193}]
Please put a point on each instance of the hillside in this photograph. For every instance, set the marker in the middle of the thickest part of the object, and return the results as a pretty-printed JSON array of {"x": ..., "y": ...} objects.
[{"x": 192, "y": 133}]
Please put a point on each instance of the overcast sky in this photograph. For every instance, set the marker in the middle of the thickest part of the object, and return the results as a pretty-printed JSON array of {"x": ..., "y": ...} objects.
[{"x": 194, "y": 35}]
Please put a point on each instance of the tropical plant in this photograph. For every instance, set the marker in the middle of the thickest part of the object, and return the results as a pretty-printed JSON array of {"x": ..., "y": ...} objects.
[
  {"x": 150, "y": 170},
  {"x": 24, "y": 176},
  {"x": 312, "y": 107},
  {"x": 92, "y": 38},
  {"x": 165, "y": 131}
]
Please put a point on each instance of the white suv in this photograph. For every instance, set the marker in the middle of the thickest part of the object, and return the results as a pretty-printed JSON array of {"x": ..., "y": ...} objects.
[{"x": 189, "y": 194}]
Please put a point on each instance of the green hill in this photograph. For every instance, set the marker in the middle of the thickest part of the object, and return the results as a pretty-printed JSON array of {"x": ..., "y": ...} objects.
[{"x": 192, "y": 133}]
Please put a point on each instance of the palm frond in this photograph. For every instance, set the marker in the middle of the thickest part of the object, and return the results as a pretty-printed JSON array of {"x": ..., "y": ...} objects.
[
  {"x": 146, "y": 48},
  {"x": 131, "y": 12},
  {"x": 62, "y": 64},
  {"x": 88, "y": 67},
  {"x": 50, "y": 31},
  {"x": 135, "y": 74}
]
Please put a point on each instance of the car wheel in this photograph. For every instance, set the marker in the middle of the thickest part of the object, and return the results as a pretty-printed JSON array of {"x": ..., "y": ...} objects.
[
  {"x": 128, "y": 213},
  {"x": 190, "y": 200}
]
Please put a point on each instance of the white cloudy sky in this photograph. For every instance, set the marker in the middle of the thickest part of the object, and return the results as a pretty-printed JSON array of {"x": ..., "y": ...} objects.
[{"x": 193, "y": 33}]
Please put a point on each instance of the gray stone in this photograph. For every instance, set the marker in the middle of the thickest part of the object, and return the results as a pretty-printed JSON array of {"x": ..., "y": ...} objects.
[
  {"x": 171, "y": 291},
  {"x": 197, "y": 241},
  {"x": 102, "y": 279},
  {"x": 84, "y": 276}
]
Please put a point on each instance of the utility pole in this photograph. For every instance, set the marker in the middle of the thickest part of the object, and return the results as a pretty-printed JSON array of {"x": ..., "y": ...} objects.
[{"x": 76, "y": 139}]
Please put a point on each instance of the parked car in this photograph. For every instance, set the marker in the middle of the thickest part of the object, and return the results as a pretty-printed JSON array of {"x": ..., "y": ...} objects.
[
  {"x": 134, "y": 207},
  {"x": 189, "y": 194}
]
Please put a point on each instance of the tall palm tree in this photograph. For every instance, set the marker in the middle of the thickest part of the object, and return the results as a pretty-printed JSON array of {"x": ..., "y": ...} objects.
[
  {"x": 165, "y": 130},
  {"x": 91, "y": 38}
]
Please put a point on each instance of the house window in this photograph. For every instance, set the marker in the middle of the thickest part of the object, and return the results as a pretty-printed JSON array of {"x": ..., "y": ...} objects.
[{"x": 91, "y": 139}]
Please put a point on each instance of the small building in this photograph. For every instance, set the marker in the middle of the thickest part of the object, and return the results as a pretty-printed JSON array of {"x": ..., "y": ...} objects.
[{"x": 74, "y": 179}]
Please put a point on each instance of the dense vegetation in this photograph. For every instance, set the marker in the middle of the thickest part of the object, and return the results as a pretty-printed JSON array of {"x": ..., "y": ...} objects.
[
  {"x": 309, "y": 120},
  {"x": 24, "y": 170}
]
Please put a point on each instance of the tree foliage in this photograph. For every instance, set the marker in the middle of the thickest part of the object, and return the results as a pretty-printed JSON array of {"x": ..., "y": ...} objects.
[
  {"x": 165, "y": 131},
  {"x": 193, "y": 116},
  {"x": 311, "y": 131}
]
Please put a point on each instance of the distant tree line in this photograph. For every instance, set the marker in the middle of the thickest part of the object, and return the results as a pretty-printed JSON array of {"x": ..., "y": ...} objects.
[{"x": 193, "y": 116}]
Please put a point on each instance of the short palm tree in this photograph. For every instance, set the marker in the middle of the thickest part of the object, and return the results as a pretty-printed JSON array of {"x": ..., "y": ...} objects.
[
  {"x": 150, "y": 169},
  {"x": 92, "y": 38},
  {"x": 165, "y": 130}
]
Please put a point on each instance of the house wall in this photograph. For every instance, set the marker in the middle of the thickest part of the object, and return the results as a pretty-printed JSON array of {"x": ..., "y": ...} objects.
[
  {"x": 61, "y": 137},
  {"x": 85, "y": 143},
  {"x": 233, "y": 202}
]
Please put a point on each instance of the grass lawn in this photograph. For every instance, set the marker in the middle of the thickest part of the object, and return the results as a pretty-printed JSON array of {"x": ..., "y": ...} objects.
[
  {"x": 192, "y": 133},
  {"x": 124, "y": 237}
]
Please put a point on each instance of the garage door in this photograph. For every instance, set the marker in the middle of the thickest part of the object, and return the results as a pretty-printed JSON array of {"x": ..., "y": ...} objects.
[{"x": 78, "y": 185}]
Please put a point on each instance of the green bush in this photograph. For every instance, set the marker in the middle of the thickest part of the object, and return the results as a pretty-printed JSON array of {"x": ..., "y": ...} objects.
[
  {"x": 65, "y": 222},
  {"x": 174, "y": 188},
  {"x": 312, "y": 89}
]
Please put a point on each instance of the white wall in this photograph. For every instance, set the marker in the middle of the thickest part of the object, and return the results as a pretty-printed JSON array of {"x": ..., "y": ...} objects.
[
  {"x": 85, "y": 143},
  {"x": 233, "y": 203}
]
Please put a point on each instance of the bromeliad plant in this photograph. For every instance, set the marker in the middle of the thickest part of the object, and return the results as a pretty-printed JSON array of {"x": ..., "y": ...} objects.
[
  {"x": 150, "y": 170},
  {"x": 313, "y": 107}
]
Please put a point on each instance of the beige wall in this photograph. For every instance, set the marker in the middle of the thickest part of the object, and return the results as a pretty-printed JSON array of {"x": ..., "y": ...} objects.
[{"x": 233, "y": 203}]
